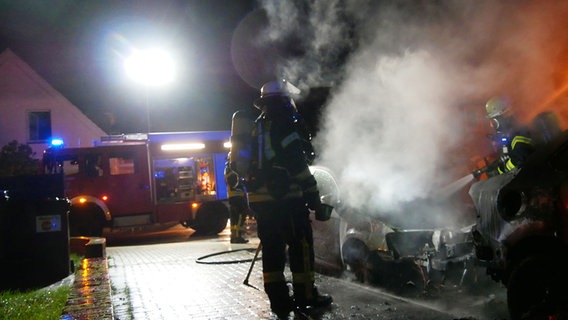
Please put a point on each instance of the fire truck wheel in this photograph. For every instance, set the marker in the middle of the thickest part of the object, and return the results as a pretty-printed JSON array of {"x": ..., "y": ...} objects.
[
  {"x": 87, "y": 220},
  {"x": 536, "y": 288},
  {"x": 212, "y": 218}
]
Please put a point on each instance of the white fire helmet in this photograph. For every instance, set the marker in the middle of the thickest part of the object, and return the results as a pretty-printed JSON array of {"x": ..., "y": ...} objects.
[
  {"x": 276, "y": 88},
  {"x": 497, "y": 106}
]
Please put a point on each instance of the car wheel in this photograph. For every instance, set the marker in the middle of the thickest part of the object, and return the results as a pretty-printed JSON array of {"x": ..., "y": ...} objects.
[{"x": 355, "y": 254}]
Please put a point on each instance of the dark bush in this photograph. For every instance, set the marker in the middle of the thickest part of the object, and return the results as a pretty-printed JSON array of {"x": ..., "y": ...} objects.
[{"x": 17, "y": 159}]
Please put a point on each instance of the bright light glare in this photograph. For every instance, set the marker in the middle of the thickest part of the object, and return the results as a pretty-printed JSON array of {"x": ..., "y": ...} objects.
[
  {"x": 57, "y": 142},
  {"x": 153, "y": 67},
  {"x": 227, "y": 144},
  {"x": 182, "y": 146}
]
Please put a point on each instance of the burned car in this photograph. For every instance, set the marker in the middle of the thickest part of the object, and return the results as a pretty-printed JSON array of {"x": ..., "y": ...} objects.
[
  {"x": 403, "y": 260},
  {"x": 521, "y": 233}
]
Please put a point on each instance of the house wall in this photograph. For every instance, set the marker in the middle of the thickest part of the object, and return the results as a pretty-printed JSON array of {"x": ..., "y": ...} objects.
[{"x": 22, "y": 90}]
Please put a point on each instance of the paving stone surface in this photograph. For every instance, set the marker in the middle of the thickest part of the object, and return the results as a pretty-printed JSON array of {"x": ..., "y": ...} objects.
[
  {"x": 165, "y": 281},
  {"x": 203, "y": 279}
]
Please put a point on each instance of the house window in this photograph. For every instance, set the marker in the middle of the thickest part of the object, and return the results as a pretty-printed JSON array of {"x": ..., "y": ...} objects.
[{"x": 39, "y": 126}]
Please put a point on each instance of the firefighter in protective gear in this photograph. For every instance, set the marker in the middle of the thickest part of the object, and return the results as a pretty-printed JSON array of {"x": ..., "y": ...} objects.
[
  {"x": 513, "y": 141},
  {"x": 238, "y": 205},
  {"x": 236, "y": 170},
  {"x": 288, "y": 190}
]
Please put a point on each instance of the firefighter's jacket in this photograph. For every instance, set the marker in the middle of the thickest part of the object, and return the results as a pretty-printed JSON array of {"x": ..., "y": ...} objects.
[
  {"x": 520, "y": 146},
  {"x": 282, "y": 169}
]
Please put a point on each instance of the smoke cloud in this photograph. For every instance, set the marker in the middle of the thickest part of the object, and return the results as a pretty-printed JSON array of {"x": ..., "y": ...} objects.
[{"x": 401, "y": 70}]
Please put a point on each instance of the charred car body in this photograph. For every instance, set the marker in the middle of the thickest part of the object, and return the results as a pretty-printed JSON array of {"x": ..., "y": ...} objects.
[
  {"x": 403, "y": 260},
  {"x": 521, "y": 233},
  {"x": 519, "y": 238}
]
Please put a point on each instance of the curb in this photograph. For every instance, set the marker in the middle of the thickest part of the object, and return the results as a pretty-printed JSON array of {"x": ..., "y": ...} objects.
[
  {"x": 89, "y": 247},
  {"x": 90, "y": 296}
]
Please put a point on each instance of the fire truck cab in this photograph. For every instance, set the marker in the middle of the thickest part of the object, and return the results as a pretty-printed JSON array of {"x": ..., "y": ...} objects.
[{"x": 141, "y": 179}]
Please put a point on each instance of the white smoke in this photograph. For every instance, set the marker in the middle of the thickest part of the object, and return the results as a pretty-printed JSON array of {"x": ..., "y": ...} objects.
[
  {"x": 393, "y": 118},
  {"x": 387, "y": 129},
  {"x": 320, "y": 30}
]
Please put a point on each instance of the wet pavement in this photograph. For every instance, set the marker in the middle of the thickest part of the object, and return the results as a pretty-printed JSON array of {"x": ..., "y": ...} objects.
[
  {"x": 203, "y": 278},
  {"x": 90, "y": 296}
]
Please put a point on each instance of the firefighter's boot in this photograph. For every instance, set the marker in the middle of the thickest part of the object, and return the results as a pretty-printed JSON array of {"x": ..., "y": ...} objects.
[
  {"x": 237, "y": 234},
  {"x": 309, "y": 297},
  {"x": 281, "y": 302},
  {"x": 239, "y": 239}
]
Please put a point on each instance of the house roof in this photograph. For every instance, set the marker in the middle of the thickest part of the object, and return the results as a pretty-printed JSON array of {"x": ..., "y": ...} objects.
[{"x": 13, "y": 67}]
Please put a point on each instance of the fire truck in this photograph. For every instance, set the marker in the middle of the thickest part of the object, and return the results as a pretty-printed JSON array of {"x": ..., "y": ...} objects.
[{"x": 132, "y": 180}]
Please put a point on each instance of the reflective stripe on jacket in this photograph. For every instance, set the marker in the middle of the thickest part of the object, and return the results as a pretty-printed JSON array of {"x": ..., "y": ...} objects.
[{"x": 521, "y": 147}]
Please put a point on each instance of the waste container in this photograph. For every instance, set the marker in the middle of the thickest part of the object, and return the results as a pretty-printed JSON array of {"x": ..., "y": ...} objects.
[{"x": 35, "y": 238}]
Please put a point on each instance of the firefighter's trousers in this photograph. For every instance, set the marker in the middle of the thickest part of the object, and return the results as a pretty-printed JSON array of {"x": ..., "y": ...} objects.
[
  {"x": 286, "y": 223},
  {"x": 238, "y": 213}
]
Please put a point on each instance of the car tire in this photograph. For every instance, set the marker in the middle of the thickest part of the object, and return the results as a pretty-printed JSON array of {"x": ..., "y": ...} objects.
[{"x": 355, "y": 254}]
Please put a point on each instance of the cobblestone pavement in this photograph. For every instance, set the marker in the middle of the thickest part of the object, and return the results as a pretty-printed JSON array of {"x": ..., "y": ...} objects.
[
  {"x": 165, "y": 282},
  {"x": 187, "y": 280}
]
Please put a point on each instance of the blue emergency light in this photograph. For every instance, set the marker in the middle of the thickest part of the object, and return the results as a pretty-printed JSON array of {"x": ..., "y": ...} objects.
[{"x": 57, "y": 142}]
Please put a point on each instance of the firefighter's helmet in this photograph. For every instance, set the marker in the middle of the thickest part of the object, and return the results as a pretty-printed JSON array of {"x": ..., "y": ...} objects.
[
  {"x": 277, "y": 88},
  {"x": 497, "y": 106}
]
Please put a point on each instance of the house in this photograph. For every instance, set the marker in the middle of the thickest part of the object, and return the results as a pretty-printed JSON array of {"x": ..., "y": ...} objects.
[{"x": 33, "y": 112}]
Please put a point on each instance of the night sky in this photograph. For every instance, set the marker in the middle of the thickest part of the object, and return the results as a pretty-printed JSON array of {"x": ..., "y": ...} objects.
[{"x": 78, "y": 47}]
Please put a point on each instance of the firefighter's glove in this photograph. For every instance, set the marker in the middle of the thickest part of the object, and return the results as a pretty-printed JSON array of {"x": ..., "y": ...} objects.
[
  {"x": 312, "y": 200},
  {"x": 232, "y": 179},
  {"x": 323, "y": 212},
  {"x": 503, "y": 159}
]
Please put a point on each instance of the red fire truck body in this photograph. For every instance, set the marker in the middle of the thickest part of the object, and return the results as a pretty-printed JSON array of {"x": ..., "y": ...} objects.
[{"x": 142, "y": 179}]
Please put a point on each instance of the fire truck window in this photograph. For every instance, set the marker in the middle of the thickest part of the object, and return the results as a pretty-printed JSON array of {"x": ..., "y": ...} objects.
[
  {"x": 93, "y": 165},
  {"x": 121, "y": 165},
  {"x": 70, "y": 166}
]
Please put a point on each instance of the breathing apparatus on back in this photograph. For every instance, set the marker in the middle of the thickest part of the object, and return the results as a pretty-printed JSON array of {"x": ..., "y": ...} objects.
[{"x": 239, "y": 161}]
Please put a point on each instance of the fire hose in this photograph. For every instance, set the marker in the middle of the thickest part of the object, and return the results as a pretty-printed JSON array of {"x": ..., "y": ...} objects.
[{"x": 202, "y": 259}]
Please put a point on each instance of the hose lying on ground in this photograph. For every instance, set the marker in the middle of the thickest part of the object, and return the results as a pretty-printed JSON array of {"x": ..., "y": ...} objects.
[{"x": 202, "y": 258}]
